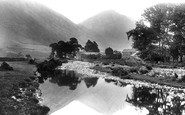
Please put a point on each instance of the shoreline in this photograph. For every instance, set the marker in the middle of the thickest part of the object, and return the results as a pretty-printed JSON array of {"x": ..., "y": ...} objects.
[
  {"x": 85, "y": 68},
  {"x": 19, "y": 91}
]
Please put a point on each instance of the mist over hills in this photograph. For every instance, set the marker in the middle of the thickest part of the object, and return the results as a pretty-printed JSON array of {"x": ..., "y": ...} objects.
[
  {"x": 108, "y": 29},
  {"x": 30, "y": 28}
]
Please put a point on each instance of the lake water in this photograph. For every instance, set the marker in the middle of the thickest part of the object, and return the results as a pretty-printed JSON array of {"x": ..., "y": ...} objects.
[{"x": 69, "y": 93}]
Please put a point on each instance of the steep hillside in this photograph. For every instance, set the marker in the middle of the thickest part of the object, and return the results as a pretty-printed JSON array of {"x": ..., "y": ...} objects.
[
  {"x": 30, "y": 28},
  {"x": 108, "y": 29}
]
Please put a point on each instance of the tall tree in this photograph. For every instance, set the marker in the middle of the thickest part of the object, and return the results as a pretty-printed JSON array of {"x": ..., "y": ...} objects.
[
  {"x": 142, "y": 37},
  {"x": 159, "y": 18},
  {"x": 91, "y": 46},
  {"x": 178, "y": 27},
  {"x": 109, "y": 51}
]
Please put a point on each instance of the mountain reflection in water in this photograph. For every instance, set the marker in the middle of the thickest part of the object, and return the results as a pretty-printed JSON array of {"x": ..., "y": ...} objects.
[{"x": 65, "y": 88}]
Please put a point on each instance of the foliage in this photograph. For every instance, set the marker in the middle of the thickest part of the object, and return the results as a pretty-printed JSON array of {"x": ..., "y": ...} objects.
[
  {"x": 119, "y": 72},
  {"x": 91, "y": 46},
  {"x": 61, "y": 49},
  {"x": 5, "y": 67},
  {"x": 47, "y": 67},
  {"x": 15, "y": 101},
  {"x": 109, "y": 51},
  {"x": 160, "y": 33},
  {"x": 91, "y": 56},
  {"x": 158, "y": 101}
]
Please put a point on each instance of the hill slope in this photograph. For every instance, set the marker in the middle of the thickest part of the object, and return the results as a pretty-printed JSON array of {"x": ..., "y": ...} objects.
[
  {"x": 108, "y": 29},
  {"x": 30, "y": 28}
]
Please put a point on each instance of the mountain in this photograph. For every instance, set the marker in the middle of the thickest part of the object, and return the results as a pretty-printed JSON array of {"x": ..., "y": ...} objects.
[
  {"x": 30, "y": 28},
  {"x": 108, "y": 29}
]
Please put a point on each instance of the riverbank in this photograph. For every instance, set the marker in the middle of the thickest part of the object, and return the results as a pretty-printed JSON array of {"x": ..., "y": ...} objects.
[
  {"x": 104, "y": 71},
  {"x": 19, "y": 91}
]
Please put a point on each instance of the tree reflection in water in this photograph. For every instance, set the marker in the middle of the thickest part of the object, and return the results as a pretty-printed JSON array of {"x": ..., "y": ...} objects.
[
  {"x": 116, "y": 82},
  {"x": 68, "y": 78},
  {"x": 157, "y": 101},
  {"x": 90, "y": 81}
]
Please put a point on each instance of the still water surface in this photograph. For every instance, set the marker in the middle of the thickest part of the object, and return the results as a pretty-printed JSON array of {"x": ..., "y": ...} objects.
[{"x": 69, "y": 93}]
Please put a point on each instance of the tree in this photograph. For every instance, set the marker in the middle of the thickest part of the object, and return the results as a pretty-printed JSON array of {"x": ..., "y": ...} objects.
[
  {"x": 74, "y": 46},
  {"x": 143, "y": 38},
  {"x": 159, "y": 18},
  {"x": 153, "y": 35},
  {"x": 54, "y": 47},
  {"x": 91, "y": 46},
  {"x": 178, "y": 29},
  {"x": 109, "y": 51},
  {"x": 62, "y": 49}
]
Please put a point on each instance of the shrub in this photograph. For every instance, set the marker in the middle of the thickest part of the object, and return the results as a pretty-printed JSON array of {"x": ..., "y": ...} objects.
[
  {"x": 149, "y": 67},
  {"x": 105, "y": 63},
  {"x": 119, "y": 72},
  {"x": 32, "y": 61},
  {"x": 47, "y": 67},
  {"x": 143, "y": 70},
  {"x": 6, "y": 67},
  {"x": 182, "y": 79},
  {"x": 109, "y": 51},
  {"x": 133, "y": 70}
]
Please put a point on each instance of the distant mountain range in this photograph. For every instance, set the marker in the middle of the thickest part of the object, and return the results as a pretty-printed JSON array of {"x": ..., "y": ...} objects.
[{"x": 30, "y": 28}]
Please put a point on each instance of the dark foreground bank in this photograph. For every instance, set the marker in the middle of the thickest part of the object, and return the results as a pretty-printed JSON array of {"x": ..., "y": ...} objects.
[{"x": 19, "y": 92}]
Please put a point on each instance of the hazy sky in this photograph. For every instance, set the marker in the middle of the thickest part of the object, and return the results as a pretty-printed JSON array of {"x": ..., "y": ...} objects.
[{"x": 79, "y": 10}]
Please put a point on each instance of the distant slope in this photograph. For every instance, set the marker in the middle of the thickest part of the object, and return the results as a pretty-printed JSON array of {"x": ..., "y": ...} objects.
[
  {"x": 108, "y": 29},
  {"x": 30, "y": 28}
]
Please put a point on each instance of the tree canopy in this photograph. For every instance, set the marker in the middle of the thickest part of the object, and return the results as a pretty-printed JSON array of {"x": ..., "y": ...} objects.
[
  {"x": 62, "y": 49},
  {"x": 160, "y": 32},
  {"x": 91, "y": 46},
  {"x": 109, "y": 51}
]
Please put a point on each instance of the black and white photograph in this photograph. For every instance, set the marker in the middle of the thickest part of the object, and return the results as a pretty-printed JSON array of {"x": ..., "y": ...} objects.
[{"x": 92, "y": 57}]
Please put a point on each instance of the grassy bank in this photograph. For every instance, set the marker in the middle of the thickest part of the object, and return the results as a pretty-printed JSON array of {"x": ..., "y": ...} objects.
[
  {"x": 18, "y": 91},
  {"x": 136, "y": 74}
]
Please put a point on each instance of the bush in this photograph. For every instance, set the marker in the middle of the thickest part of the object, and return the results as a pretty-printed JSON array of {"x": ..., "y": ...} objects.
[
  {"x": 32, "y": 61},
  {"x": 5, "y": 67},
  {"x": 182, "y": 79},
  {"x": 149, "y": 67},
  {"x": 105, "y": 63},
  {"x": 133, "y": 70},
  {"x": 119, "y": 72},
  {"x": 90, "y": 56},
  {"x": 143, "y": 70},
  {"x": 47, "y": 67}
]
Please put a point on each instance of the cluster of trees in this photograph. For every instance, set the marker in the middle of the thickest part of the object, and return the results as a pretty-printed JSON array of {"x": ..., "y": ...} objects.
[
  {"x": 62, "y": 49},
  {"x": 111, "y": 54},
  {"x": 70, "y": 48},
  {"x": 160, "y": 34},
  {"x": 91, "y": 46}
]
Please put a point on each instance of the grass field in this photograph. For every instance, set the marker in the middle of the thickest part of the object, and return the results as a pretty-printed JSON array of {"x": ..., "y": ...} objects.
[{"x": 10, "y": 84}]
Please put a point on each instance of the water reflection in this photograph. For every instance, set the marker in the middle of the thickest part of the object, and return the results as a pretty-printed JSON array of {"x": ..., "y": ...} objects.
[
  {"x": 108, "y": 96},
  {"x": 157, "y": 101},
  {"x": 68, "y": 78},
  {"x": 65, "y": 78},
  {"x": 116, "y": 82},
  {"x": 91, "y": 81}
]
